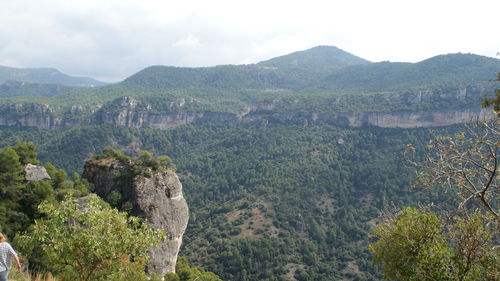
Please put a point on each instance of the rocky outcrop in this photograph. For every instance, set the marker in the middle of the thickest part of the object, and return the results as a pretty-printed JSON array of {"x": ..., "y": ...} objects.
[
  {"x": 155, "y": 196},
  {"x": 131, "y": 112},
  {"x": 35, "y": 173},
  {"x": 41, "y": 116},
  {"x": 399, "y": 119}
]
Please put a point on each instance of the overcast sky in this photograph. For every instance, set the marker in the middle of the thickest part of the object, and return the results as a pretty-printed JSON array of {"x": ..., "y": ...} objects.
[{"x": 112, "y": 39}]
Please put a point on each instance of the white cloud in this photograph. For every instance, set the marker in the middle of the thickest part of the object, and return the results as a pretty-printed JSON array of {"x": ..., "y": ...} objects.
[
  {"x": 187, "y": 41},
  {"x": 114, "y": 38}
]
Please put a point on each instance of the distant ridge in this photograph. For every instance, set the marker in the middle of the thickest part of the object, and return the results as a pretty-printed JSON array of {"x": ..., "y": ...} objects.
[
  {"x": 292, "y": 72},
  {"x": 45, "y": 76},
  {"x": 442, "y": 71},
  {"x": 324, "y": 69}
]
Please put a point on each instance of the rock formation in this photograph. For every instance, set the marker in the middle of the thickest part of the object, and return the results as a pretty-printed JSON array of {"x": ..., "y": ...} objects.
[
  {"x": 134, "y": 113},
  {"x": 35, "y": 173},
  {"x": 155, "y": 196}
]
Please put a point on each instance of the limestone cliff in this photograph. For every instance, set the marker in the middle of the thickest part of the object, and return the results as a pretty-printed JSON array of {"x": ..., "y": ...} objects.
[
  {"x": 155, "y": 196},
  {"x": 134, "y": 113}
]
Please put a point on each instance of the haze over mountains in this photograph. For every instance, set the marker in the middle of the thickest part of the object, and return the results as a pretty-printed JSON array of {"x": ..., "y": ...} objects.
[{"x": 44, "y": 75}]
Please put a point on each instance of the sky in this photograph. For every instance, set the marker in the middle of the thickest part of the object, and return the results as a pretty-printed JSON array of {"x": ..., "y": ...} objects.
[{"x": 112, "y": 39}]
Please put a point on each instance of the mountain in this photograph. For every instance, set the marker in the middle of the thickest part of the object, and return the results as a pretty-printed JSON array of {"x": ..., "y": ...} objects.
[
  {"x": 291, "y": 72},
  {"x": 323, "y": 69},
  {"x": 286, "y": 164},
  {"x": 45, "y": 76},
  {"x": 13, "y": 88},
  {"x": 317, "y": 59},
  {"x": 444, "y": 71}
]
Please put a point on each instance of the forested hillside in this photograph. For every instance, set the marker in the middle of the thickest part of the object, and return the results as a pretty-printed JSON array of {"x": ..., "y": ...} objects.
[
  {"x": 267, "y": 200},
  {"x": 286, "y": 164},
  {"x": 300, "y": 81}
]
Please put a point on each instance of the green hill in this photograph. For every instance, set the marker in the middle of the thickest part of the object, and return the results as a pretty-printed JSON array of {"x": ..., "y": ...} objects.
[
  {"x": 444, "y": 71},
  {"x": 44, "y": 75},
  {"x": 11, "y": 89},
  {"x": 317, "y": 59}
]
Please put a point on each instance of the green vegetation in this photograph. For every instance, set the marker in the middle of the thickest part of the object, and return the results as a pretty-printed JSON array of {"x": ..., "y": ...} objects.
[
  {"x": 20, "y": 198},
  {"x": 267, "y": 199},
  {"x": 11, "y": 89},
  {"x": 495, "y": 102},
  {"x": 184, "y": 272},
  {"x": 87, "y": 240},
  {"x": 44, "y": 76},
  {"x": 416, "y": 245},
  {"x": 440, "y": 72},
  {"x": 317, "y": 60},
  {"x": 459, "y": 245},
  {"x": 63, "y": 231},
  {"x": 322, "y": 79}
]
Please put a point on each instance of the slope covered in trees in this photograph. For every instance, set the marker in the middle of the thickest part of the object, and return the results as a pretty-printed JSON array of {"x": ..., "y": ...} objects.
[
  {"x": 268, "y": 200},
  {"x": 315, "y": 77},
  {"x": 440, "y": 72}
]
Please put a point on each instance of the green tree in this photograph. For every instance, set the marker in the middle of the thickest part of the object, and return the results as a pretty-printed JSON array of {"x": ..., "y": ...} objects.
[
  {"x": 10, "y": 168},
  {"x": 184, "y": 272},
  {"x": 26, "y": 152},
  {"x": 466, "y": 163},
  {"x": 88, "y": 240},
  {"x": 495, "y": 102},
  {"x": 416, "y": 245},
  {"x": 410, "y": 246},
  {"x": 146, "y": 159}
]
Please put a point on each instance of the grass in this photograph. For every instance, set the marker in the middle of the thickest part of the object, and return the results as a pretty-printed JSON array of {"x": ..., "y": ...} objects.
[{"x": 16, "y": 275}]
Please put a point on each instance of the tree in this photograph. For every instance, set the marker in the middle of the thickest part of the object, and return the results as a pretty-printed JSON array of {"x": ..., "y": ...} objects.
[
  {"x": 416, "y": 245},
  {"x": 88, "y": 240},
  {"x": 466, "y": 163},
  {"x": 10, "y": 168},
  {"x": 184, "y": 272},
  {"x": 495, "y": 102},
  {"x": 411, "y": 246},
  {"x": 26, "y": 152}
]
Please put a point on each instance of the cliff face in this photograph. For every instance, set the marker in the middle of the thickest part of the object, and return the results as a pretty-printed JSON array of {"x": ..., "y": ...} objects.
[
  {"x": 157, "y": 198},
  {"x": 130, "y": 112},
  {"x": 399, "y": 119}
]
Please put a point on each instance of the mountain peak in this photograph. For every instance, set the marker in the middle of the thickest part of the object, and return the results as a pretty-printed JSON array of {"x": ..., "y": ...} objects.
[{"x": 319, "y": 57}]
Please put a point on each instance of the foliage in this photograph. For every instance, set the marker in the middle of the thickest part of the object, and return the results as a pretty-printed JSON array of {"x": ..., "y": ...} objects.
[
  {"x": 26, "y": 152},
  {"x": 20, "y": 198},
  {"x": 15, "y": 275},
  {"x": 444, "y": 71},
  {"x": 495, "y": 102},
  {"x": 415, "y": 245},
  {"x": 418, "y": 244},
  {"x": 144, "y": 160},
  {"x": 87, "y": 240},
  {"x": 184, "y": 272},
  {"x": 411, "y": 246},
  {"x": 466, "y": 163},
  {"x": 268, "y": 199}
]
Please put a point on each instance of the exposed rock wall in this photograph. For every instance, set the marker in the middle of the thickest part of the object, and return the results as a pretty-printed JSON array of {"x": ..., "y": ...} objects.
[
  {"x": 130, "y": 112},
  {"x": 157, "y": 198}
]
